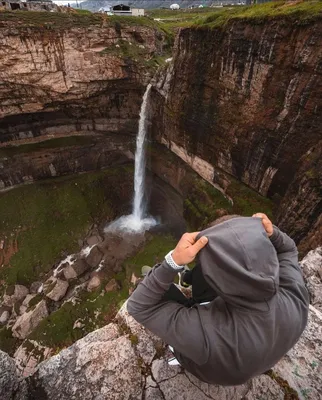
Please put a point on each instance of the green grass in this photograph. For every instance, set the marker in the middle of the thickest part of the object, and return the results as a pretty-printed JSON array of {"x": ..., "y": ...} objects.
[
  {"x": 152, "y": 253},
  {"x": 82, "y": 12},
  {"x": 49, "y": 217},
  {"x": 181, "y": 13},
  {"x": 171, "y": 20},
  {"x": 8, "y": 343},
  {"x": 299, "y": 13},
  {"x": 10, "y": 150},
  {"x": 58, "y": 20},
  {"x": 203, "y": 203},
  {"x": 56, "y": 331},
  {"x": 134, "y": 52},
  {"x": 246, "y": 201},
  {"x": 53, "y": 20}
]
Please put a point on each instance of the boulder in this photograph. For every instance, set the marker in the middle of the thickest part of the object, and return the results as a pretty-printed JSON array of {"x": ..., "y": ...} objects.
[
  {"x": 302, "y": 366},
  {"x": 26, "y": 303},
  {"x": 102, "y": 365},
  {"x": 28, "y": 321},
  {"x": 76, "y": 269},
  {"x": 29, "y": 354},
  {"x": 12, "y": 387},
  {"x": 69, "y": 272},
  {"x": 34, "y": 287},
  {"x": 312, "y": 271},
  {"x": 19, "y": 292},
  {"x": 112, "y": 286},
  {"x": 94, "y": 257},
  {"x": 55, "y": 288},
  {"x": 78, "y": 324},
  {"x": 94, "y": 240},
  {"x": 4, "y": 317},
  {"x": 94, "y": 283},
  {"x": 134, "y": 279}
]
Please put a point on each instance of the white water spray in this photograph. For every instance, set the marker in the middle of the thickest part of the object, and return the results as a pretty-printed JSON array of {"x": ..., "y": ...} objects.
[
  {"x": 139, "y": 171},
  {"x": 137, "y": 222}
]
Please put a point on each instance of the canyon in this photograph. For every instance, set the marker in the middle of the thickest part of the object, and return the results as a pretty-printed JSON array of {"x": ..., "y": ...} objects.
[
  {"x": 235, "y": 101},
  {"x": 234, "y": 127}
]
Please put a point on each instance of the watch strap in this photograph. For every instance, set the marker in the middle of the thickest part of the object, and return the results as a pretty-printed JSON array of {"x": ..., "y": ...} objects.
[{"x": 173, "y": 264}]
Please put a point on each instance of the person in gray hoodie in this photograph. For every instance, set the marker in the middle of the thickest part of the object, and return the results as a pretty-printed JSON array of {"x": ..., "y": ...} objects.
[{"x": 260, "y": 310}]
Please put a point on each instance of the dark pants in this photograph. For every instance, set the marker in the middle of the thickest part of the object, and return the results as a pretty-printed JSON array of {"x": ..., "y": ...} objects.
[{"x": 201, "y": 291}]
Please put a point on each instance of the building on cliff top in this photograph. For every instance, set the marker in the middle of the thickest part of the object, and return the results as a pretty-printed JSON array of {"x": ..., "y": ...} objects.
[
  {"x": 122, "y": 9},
  {"x": 29, "y": 5}
]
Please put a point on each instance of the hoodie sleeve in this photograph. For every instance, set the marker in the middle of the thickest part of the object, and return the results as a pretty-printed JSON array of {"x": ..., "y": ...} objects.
[
  {"x": 291, "y": 278},
  {"x": 174, "y": 323}
]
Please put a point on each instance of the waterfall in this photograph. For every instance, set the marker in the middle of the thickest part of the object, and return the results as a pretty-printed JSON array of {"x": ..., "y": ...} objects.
[
  {"x": 137, "y": 221},
  {"x": 139, "y": 172}
]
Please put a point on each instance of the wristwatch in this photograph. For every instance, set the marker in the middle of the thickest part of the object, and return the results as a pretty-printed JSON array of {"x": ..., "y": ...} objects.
[{"x": 172, "y": 264}]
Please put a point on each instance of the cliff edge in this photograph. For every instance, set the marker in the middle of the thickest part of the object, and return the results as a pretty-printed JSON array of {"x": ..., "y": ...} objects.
[{"x": 124, "y": 361}]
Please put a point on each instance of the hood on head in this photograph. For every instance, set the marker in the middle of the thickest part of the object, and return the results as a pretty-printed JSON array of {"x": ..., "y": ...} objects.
[{"x": 240, "y": 262}]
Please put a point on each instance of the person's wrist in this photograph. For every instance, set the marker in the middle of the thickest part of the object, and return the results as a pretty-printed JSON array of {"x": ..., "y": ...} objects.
[
  {"x": 176, "y": 258},
  {"x": 172, "y": 262},
  {"x": 274, "y": 234}
]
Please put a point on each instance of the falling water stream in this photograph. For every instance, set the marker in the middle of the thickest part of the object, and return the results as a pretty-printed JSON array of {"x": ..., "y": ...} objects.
[{"x": 137, "y": 221}]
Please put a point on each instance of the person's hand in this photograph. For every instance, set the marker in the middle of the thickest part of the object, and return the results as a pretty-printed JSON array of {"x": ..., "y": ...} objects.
[
  {"x": 268, "y": 226},
  {"x": 187, "y": 248}
]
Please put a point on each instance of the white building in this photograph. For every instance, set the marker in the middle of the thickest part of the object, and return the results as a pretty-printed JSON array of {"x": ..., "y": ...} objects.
[
  {"x": 122, "y": 9},
  {"x": 138, "y": 12},
  {"x": 174, "y": 7}
]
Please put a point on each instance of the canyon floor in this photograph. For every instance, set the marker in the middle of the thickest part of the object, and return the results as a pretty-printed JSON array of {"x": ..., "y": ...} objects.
[{"x": 45, "y": 222}]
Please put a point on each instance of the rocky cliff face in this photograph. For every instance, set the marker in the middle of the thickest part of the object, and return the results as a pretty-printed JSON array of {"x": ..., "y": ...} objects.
[
  {"x": 124, "y": 361},
  {"x": 86, "y": 75},
  {"x": 83, "y": 75},
  {"x": 63, "y": 156},
  {"x": 245, "y": 99}
]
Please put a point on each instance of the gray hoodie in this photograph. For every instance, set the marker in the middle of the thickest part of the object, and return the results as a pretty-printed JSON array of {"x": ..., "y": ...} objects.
[{"x": 259, "y": 315}]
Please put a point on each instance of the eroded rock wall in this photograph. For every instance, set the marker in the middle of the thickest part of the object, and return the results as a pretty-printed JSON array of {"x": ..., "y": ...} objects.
[
  {"x": 83, "y": 79},
  {"x": 246, "y": 99},
  {"x": 73, "y": 78},
  {"x": 53, "y": 158}
]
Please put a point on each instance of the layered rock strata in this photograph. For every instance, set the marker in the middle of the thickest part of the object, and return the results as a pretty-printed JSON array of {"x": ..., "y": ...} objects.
[
  {"x": 244, "y": 99},
  {"x": 72, "y": 78},
  {"x": 86, "y": 78}
]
